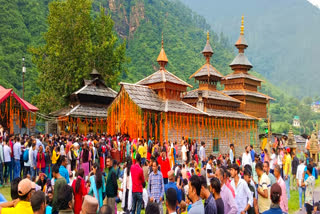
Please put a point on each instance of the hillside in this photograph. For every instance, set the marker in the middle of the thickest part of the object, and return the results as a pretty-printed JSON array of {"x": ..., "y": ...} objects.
[{"x": 283, "y": 37}]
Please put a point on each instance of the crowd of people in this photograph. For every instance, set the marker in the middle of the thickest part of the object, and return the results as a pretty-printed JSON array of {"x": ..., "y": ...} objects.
[{"x": 117, "y": 174}]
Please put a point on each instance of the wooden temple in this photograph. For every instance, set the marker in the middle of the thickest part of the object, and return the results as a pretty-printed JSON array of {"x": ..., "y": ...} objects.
[
  {"x": 160, "y": 107},
  {"x": 87, "y": 111}
]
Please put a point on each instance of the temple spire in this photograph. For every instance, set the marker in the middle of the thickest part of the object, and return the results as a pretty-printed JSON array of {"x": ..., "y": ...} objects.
[
  {"x": 162, "y": 58},
  {"x": 242, "y": 26},
  {"x": 207, "y": 51},
  {"x": 241, "y": 44}
]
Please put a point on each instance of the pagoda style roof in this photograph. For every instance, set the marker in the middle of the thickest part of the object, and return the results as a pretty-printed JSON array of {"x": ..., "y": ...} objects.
[
  {"x": 83, "y": 110},
  {"x": 242, "y": 75},
  {"x": 162, "y": 76},
  {"x": 210, "y": 94},
  {"x": 207, "y": 70},
  {"x": 146, "y": 98},
  {"x": 247, "y": 93},
  {"x": 241, "y": 41},
  {"x": 229, "y": 114},
  {"x": 241, "y": 59},
  {"x": 93, "y": 90}
]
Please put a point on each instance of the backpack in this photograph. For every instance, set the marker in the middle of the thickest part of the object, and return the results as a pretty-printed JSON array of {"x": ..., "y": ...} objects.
[{"x": 26, "y": 155}]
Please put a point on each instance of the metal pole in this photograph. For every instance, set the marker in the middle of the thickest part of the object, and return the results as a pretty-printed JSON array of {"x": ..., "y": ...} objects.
[{"x": 22, "y": 85}]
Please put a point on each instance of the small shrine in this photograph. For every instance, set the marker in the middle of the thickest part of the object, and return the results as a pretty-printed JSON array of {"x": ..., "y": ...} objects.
[
  {"x": 314, "y": 147},
  {"x": 291, "y": 142}
]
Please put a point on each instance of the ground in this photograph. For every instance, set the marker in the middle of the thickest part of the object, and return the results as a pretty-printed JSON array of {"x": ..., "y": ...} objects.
[{"x": 293, "y": 202}]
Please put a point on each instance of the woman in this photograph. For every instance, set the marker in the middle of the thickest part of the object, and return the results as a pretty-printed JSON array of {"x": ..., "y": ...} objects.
[
  {"x": 127, "y": 188},
  {"x": 275, "y": 196},
  {"x": 84, "y": 160},
  {"x": 273, "y": 160},
  {"x": 97, "y": 186},
  {"x": 42, "y": 181},
  {"x": 47, "y": 157},
  {"x": 55, "y": 155},
  {"x": 41, "y": 161},
  {"x": 79, "y": 191}
]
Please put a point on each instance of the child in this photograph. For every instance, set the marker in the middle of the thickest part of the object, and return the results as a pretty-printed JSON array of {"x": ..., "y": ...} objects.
[{"x": 183, "y": 207}]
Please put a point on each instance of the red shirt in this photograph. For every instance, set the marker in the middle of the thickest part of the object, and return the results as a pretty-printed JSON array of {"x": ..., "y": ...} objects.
[
  {"x": 78, "y": 196},
  {"x": 165, "y": 166},
  {"x": 137, "y": 178}
]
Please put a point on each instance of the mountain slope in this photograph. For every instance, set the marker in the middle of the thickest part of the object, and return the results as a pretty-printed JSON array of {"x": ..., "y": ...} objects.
[{"x": 283, "y": 38}]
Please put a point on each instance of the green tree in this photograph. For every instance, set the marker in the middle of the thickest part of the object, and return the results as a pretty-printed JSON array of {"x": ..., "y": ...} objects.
[{"x": 75, "y": 43}]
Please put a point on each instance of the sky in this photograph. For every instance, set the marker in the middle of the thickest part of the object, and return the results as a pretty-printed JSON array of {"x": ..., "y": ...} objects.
[{"x": 315, "y": 3}]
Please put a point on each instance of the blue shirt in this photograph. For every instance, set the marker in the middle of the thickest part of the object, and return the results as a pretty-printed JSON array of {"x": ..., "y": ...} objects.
[
  {"x": 174, "y": 186},
  {"x": 156, "y": 186},
  {"x": 64, "y": 173},
  {"x": 210, "y": 205},
  {"x": 306, "y": 174},
  {"x": 252, "y": 152},
  {"x": 197, "y": 208},
  {"x": 17, "y": 150},
  {"x": 48, "y": 209},
  {"x": 276, "y": 210}
]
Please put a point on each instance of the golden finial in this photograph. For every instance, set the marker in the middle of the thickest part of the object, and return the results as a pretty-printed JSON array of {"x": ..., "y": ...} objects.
[
  {"x": 242, "y": 26},
  {"x": 162, "y": 40},
  {"x": 208, "y": 36},
  {"x": 162, "y": 58}
]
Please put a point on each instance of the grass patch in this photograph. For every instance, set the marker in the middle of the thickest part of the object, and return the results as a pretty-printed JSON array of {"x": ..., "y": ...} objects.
[{"x": 5, "y": 191}]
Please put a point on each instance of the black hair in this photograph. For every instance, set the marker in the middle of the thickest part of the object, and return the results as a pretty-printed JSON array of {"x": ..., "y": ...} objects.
[
  {"x": 129, "y": 163},
  {"x": 247, "y": 172},
  {"x": 172, "y": 198},
  {"x": 114, "y": 163},
  {"x": 235, "y": 167},
  {"x": 37, "y": 199},
  {"x": 152, "y": 208},
  {"x": 155, "y": 162},
  {"x": 138, "y": 158},
  {"x": 310, "y": 168},
  {"x": 203, "y": 181},
  {"x": 267, "y": 162},
  {"x": 14, "y": 188},
  {"x": 275, "y": 197},
  {"x": 202, "y": 143},
  {"x": 211, "y": 157},
  {"x": 98, "y": 176},
  {"x": 65, "y": 196},
  {"x": 248, "y": 167},
  {"x": 215, "y": 184},
  {"x": 78, "y": 181},
  {"x": 196, "y": 183},
  {"x": 55, "y": 168},
  {"x": 259, "y": 166},
  {"x": 185, "y": 181},
  {"x": 105, "y": 209}
]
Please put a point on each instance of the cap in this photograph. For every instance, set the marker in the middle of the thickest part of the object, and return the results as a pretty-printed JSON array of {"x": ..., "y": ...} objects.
[
  {"x": 288, "y": 150},
  {"x": 25, "y": 186},
  {"x": 276, "y": 189},
  {"x": 90, "y": 205}
]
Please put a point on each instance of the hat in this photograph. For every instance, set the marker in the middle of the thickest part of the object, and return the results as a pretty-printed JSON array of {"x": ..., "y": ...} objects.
[
  {"x": 288, "y": 150},
  {"x": 25, "y": 186},
  {"x": 90, "y": 205},
  {"x": 276, "y": 189}
]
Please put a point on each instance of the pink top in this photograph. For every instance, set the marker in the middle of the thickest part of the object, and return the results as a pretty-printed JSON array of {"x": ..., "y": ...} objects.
[
  {"x": 283, "y": 199},
  {"x": 231, "y": 188}
]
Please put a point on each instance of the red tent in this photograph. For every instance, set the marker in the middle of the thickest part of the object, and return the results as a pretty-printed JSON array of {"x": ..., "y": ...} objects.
[{"x": 5, "y": 93}]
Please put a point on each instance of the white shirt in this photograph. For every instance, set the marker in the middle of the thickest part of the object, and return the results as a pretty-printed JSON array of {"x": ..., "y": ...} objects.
[
  {"x": 243, "y": 195},
  {"x": 208, "y": 167},
  {"x": 246, "y": 159},
  {"x": 231, "y": 155},
  {"x": 272, "y": 160},
  {"x": 300, "y": 171},
  {"x": 17, "y": 150},
  {"x": 7, "y": 153},
  {"x": 184, "y": 153},
  {"x": 202, "y": 153}
]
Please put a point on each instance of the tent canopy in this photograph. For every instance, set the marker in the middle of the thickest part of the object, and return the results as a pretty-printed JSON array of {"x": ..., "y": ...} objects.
[{"x": 5, "y": 93}]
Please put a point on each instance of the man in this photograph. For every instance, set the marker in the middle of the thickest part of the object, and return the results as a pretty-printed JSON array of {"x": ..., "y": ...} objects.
[
  {"x": 254, "y": 173},
  {"x": 59, "y": 183},
  {"x": 215, "y": 189},
  {"x": 184, "y": 152},
  {"x": 38, "y": 202},
  {"x": 165, "y": 166},
  {"x": 111, "y": 184},
  {"x": 171, "y": 201},
  {"x": 33, "y": 160},
  {"x": 137, "y": 185},
  {"x": 194, "y": 195},
  {"x": 276, "y": 194},
  {"x": 202, "y": 154},
  {"x": 209, "y": 170},
  {"x": 173, "y": 184},
  {"x": 231, "y": 155},
  {"x": 244, "y": 199},
  {"x": 287, "y": 171},
  {"x": 25, "y": 190},
  {"x": 300, "y": 179},
  {"x": 17, "y": 154},
  {"x": 1, "y": 162},
  {"x": 7, "y": 161},
  {"x": 156, "y": 186},
  {"x": 294, "y": 163},
  {"x": 266, "y": 169},
  {"x": 63, "y": 170},
  {"x": 65, "y": 199},
  {"x": 152, "y": 208},
  {"x": 246, "y": 157},
  {"x": 263, "y": 189},
  {"x": 210, "y": 203},
  {"x": 309, "y": 185},
  {"x": 284, "y": 199},
  {"x": 252, "y": 153}
]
